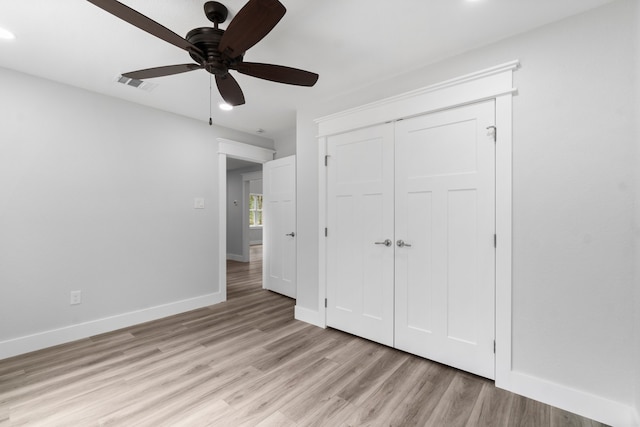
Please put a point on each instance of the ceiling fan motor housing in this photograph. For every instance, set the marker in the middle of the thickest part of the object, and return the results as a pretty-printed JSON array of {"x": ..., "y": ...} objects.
[{"x": 207, "y": 40}]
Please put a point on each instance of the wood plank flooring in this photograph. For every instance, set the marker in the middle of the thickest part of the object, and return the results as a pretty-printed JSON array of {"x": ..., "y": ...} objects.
[{"x": 247, "y": 362}]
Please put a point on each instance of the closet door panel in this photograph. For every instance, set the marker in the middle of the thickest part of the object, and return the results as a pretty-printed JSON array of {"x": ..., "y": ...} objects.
[
  {"x": 445, "y": 278},
  {"x": 360, "y": 217},
  {"x": 418, "y": 264}
]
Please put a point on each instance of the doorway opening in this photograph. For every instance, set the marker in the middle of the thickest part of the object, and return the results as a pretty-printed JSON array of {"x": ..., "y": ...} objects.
[
  {"x": 244, "y": 227},
  {"x": 228, "y": 149}
]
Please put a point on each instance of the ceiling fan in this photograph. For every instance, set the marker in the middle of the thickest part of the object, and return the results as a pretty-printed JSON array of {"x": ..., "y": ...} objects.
[{"x": 215, "y": 50}]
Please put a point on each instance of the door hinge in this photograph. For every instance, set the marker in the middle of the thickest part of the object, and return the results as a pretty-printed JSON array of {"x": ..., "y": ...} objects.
[
  {"x": 326, "y": 232},
  {"x": 326, "y": 160},
  {"x": 494, "y": 346},
  {"x": 493, "y": 131},
  {"x": 495, "y": 240},
  {"x": 325, "y": 303}
]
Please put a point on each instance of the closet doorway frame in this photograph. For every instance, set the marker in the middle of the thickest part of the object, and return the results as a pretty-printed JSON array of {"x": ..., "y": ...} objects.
[{"x": 492, "y": 83}]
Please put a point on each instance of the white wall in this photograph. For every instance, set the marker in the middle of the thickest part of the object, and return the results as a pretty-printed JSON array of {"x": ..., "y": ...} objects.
[
  {"x": 573, "y": 160},
  {"x": 234, "y": 214},
  {"x": 285, "y": 143},
  {"x": 307, "y": 206},
  {"x": 637, "y": 223},
  {"x": 255, "y": 186},
  {"x": 97, "y": 195}
]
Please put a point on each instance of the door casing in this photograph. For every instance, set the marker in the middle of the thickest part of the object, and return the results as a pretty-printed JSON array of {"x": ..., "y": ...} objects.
[{"x": 236, "y": 150}]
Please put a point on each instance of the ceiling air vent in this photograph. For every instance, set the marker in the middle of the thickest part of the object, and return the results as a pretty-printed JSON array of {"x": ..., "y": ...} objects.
[{"x": 139, "y": 84}]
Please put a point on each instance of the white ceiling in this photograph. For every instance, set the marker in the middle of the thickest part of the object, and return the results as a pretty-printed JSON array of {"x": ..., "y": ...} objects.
[{"x": 350, "y": 43}]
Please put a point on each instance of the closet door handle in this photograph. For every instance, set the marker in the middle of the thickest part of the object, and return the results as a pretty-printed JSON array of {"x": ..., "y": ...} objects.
[
  {"x": 402, "y": 244},
  {"x": 387, "y": 243},
  {"x": 292, "y": 234}
]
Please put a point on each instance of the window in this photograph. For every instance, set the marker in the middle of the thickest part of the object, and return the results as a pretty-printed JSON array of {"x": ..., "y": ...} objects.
[{"x": 255, "y": 210}]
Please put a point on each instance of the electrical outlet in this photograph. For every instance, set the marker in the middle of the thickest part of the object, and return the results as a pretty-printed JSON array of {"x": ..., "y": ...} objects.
[{"x": 76, "y": 297}]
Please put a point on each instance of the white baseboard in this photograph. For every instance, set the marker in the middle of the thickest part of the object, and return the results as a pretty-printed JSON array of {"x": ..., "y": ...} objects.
[
  {"x": 309, "y": 316},
  {"x": 585, "y": 404},
  {"x": 255, "y": 242},
  {"x": 26, "y": 344},
  {"x": 236, "y": 257}
]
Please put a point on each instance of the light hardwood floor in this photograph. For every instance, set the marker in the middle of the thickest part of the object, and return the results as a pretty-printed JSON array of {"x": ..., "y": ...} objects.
[{"x": 247, "y": 362}]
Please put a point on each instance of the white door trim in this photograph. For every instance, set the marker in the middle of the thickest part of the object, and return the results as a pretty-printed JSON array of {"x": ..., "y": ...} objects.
[
  {"x": 492, "y": 83},
  {"x": 235, "y": 150},
  {"x": 481, "y": 85}
]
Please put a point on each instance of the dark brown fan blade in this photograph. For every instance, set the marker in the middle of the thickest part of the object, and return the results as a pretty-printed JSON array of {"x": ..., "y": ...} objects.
[
  {"x": 254, "y": 21},
  {"x": 230, "y": 89},
  {"x": 150, "y": 26},
  {"x": 278, "y": 73},
  {"x": 150, "y": 73}
]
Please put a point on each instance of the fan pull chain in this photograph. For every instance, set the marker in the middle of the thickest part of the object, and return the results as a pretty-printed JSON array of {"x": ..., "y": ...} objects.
[{"x": 210, "y": 119}]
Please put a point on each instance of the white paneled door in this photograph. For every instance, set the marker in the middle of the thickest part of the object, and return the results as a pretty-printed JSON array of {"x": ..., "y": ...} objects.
[
  {"x": 279, "y": 232},
  {"x": 428, "y": 185},
  {"x": 445, "y": 214},
  {"x": 360, "y": 220}
]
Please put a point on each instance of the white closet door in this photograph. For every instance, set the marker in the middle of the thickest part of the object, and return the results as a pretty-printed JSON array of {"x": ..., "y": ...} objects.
[
  {"x": 360, "y": 219},
  {"x": 279, "y": 230},
  {"x": 445, "y": 213}
]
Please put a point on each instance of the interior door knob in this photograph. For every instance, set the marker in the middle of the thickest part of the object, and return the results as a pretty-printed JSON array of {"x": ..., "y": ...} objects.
[{"x": 402, "y": 244}]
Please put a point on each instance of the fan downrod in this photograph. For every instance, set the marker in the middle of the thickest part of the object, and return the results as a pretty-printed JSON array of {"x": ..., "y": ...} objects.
[{"x": 216, "y": 12}]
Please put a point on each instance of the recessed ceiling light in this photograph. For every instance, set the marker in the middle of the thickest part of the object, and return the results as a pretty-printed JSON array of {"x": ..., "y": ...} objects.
[
  {"x": 6, "y": 34},
  {"x": 226, "y": 107}
]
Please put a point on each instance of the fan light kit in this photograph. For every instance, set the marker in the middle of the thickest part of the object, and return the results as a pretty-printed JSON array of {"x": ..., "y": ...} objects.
[
  {"x": 225, "y": 107},
  {"x": 218, "y": 51}
]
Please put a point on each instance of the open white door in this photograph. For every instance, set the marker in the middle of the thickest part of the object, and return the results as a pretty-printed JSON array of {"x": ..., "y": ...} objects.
[{"x": 279, "y": 230}]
